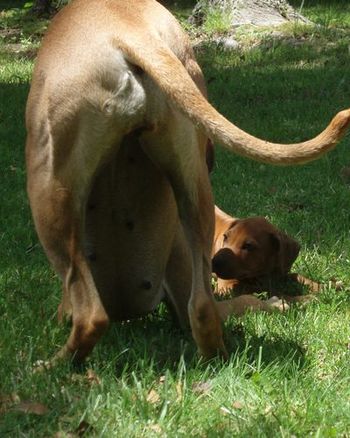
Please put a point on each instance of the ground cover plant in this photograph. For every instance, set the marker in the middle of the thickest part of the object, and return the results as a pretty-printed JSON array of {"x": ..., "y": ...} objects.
[{"x": 289, "y": 373}]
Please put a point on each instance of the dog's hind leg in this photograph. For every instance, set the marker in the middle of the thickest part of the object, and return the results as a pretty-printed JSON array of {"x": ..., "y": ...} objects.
[
  {"x": 75, "y": 124},
  {"x": 57, "y": 196},
  {"x": 61, "y": 169},
  {"x": 198, "y": 221},
  {"x": 180, "y": 152}
]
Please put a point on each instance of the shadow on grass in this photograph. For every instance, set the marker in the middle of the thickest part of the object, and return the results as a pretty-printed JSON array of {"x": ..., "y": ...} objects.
[
  {"x": 155, "y": 343},
  {"x": 269, "y": 348}
]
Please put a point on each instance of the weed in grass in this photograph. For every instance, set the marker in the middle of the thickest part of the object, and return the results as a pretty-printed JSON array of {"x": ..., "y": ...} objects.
[{"x": 217, "y": 20}]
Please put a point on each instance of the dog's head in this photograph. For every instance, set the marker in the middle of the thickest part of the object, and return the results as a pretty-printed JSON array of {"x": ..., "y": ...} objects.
[{"x": 253, "y": 247}]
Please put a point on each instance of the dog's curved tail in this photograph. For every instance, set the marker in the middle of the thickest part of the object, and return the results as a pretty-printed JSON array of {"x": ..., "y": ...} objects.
[{"x": 160, "y": 63}]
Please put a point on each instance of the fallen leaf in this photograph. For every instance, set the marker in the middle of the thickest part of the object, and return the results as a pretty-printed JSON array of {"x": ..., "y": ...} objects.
[
  {"x": 15, "y": 397},
  {"x": 295, "y": 206},
  {"x": 83, "y": 427},
  {"x": 4, "y": 401},
  {"x": 156, "y": 428},
  {"x": 7, "y": 400},
  {"x": 345, "y": 174},
  {"x": 92, "y": 377},
  {"x": 153, "y": 397},
  {"x": 179, "y": 391},
  {"x": 237, "y": 405},
  {"x": 29, "y": 407},
  {"x": 61, "y": 434},
  {"x": 162, "y": 379},
  {"x": 89, "y": 377},
  {"x": 202, "y": 387}
]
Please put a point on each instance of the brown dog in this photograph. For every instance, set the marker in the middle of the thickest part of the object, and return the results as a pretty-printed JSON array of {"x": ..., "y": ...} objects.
[
  {"x": 117, "y": 125},
  {"x": 250, "y": 254}
]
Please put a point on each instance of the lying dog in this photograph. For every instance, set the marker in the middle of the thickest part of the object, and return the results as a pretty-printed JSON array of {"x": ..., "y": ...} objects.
[
  {"x": 117, "y": 126},
  {"x": 251, "y": 255}
]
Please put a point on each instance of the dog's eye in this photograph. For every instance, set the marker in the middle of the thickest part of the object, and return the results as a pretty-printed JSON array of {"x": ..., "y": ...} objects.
[
  {"x": 224, "y": 237},
  {"x": 248, "y": 246}
]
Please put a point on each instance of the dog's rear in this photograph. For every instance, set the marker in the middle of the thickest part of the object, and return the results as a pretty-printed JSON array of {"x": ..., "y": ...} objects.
[{"x": 90, "y": 114}]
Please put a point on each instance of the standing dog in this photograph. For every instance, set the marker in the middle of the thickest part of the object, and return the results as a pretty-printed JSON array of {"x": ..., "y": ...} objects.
[{"x": 117, "y": 125}]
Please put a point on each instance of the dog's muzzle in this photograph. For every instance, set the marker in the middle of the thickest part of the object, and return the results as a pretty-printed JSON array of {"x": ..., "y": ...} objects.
[{"x": 223, "y": 264}]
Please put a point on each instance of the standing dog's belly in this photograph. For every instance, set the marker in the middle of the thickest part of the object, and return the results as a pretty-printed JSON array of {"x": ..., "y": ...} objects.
[{"x": 131, "y": 219}]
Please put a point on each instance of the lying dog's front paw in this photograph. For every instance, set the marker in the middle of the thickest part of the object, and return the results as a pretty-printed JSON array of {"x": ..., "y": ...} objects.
[
  {"x": 39, "y": 366},
  {"x": 277, "y": 303}
]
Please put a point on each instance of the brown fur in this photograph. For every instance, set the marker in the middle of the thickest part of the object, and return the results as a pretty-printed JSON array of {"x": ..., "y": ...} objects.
[
  {"x": 117, "y": 125},
  {"x": 252, "y": 255}
]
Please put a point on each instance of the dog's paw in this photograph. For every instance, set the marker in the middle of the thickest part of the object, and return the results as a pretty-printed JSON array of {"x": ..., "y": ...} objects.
[
  {"x": 277, "y": 303},
  {"x": 40, "y": 366},
  {"x": 338, "y": 285}
]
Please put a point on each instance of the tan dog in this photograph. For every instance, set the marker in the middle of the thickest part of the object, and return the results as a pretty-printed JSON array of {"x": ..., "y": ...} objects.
[
  {"x": 250, "y": 254},
  {"x": 117, "y": 125}
]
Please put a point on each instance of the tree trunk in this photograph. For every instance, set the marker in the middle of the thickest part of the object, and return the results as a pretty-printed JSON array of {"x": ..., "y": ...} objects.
[{"x": 254, "y": 12}]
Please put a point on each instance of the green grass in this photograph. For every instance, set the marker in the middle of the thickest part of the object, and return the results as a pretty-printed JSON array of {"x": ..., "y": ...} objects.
[
  {"x": 288, "y": 374},
  {"x": 216, "y": 21}
]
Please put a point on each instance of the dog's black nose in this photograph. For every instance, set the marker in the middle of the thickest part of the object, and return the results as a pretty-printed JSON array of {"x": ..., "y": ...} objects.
[
  {"x": 222, "y": 264},
  {"x": 215, "y": 264}
]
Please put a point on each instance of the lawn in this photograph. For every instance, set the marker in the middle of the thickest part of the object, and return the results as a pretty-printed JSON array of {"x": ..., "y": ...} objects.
[{"x": 288, "y": 374}]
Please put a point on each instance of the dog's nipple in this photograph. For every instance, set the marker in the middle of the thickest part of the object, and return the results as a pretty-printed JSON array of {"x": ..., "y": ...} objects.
[
  {"x": 129, "y": 225},
  {"x": 147, "y": 285},
  {"x": 92, "y": 256}
]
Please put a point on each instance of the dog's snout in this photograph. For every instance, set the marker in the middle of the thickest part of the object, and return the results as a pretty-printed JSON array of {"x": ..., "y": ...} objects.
[
  {"x": 222, "y": 263},
  {"x": 215, "y": 264}
]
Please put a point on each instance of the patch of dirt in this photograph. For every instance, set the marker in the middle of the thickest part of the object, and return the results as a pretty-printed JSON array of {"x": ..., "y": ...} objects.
[
  {"x": 9, "y": 33},
  {"x": 17, "y": 50}
]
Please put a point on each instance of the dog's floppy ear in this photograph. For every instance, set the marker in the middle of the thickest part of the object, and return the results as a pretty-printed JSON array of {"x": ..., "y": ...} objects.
[
  {"x": 287, "y": 250},
  {"x": 223, "y": 223}
]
